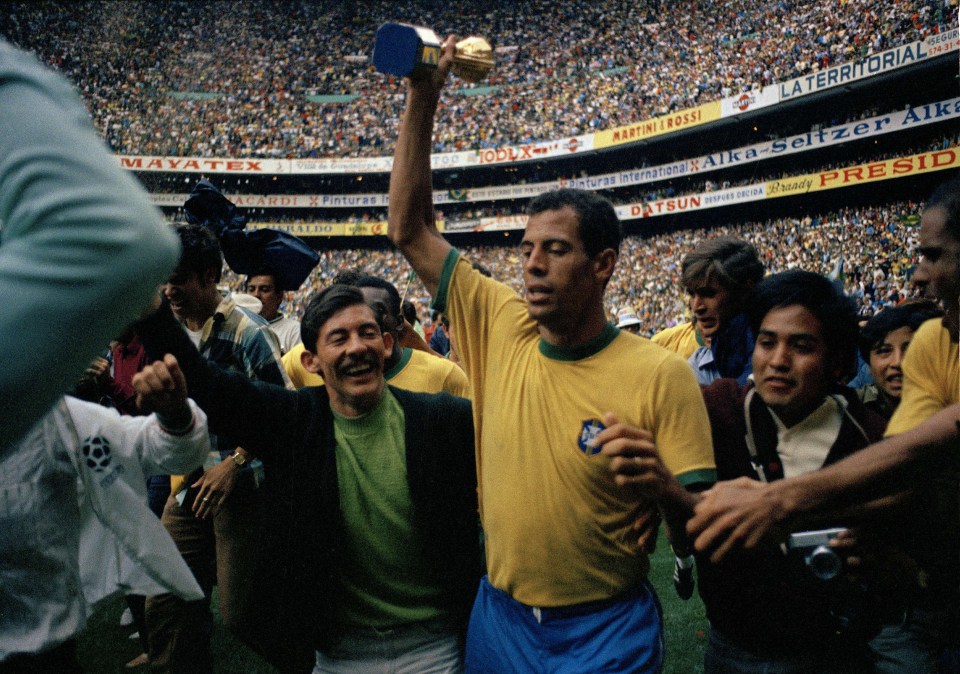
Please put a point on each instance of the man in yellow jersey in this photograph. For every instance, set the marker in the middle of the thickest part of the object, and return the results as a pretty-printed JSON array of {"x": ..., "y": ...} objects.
[
  {"x": 555, "y": 389},
  {"x": 682, "y": 339},
  {"x": 406, "y": 368}
]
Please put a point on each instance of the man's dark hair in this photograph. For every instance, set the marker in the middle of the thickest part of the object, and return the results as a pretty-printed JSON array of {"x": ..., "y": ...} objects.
[
  {"x": 370, "y": 281},
  {"x": 348, "y": 277},
  {"x": 265, "y": 271},
  {"x": 598, "y": 225},
  {"x": 325, "y": 304},
  {"x": 410, "y": 312},
  {"x": 907, "y": 315},
  {"x": 200, "y": 250},
  {"x": 731, "y": 262},
  {"x": 947, "y": 197},
  {"x": 836, "y": 312}
]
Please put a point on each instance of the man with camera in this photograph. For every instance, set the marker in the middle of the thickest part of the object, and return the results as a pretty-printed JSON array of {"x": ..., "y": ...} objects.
[
  {"x": 921, "y": 446},
  {"x": 774, "y": 608},
  {"x": 768, "y": 606}
]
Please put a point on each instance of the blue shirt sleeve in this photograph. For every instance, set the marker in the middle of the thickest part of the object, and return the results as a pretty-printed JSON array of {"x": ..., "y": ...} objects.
[{"x": 82, "y": 249}]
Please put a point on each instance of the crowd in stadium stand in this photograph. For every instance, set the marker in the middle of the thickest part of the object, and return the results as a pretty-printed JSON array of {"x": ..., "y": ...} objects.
[
  {"x": 233, "y": 79},
  {"x": 871, "y": 249}
]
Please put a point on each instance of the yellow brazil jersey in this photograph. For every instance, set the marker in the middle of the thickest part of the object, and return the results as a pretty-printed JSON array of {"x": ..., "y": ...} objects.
[
  {"x": 557, "y": 527},
  {"x": 931, "y": 377},
  {"x": 295, "y": 370},
  {"x": 681, "y": 339},
  {"x": 420, "y": 371},
  {"x": 416, "y": 371}
]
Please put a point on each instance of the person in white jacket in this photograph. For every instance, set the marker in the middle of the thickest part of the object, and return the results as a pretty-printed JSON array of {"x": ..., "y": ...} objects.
[{"x": 74, "y": 524}]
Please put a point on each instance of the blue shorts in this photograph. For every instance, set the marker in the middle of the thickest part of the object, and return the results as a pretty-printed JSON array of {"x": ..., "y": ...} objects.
[{"x": 621, "y": 635}]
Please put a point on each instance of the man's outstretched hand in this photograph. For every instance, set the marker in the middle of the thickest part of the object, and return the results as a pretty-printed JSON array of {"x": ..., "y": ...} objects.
[{"x": 736, "y": 514}]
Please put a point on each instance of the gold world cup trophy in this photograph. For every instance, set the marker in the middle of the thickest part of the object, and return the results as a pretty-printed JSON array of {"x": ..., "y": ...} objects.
[{"x": 412, "y": 51}]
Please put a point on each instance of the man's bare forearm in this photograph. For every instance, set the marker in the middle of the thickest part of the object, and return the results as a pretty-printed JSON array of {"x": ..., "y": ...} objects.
[
  {"x": 411, "y": 187},
  {"x": 410, "y": 216},
  {"x": 676, "y": 507},
  {"x": 876, "y": 471}
]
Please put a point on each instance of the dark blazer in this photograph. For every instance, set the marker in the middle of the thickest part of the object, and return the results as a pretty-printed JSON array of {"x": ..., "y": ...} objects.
[{"x": 290, "y": 610}]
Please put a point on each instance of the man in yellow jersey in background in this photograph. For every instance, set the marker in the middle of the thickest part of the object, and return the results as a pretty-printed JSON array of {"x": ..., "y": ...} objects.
[
  {"x": 682, "y": 339},
  {"x": 557, "y": 391}
]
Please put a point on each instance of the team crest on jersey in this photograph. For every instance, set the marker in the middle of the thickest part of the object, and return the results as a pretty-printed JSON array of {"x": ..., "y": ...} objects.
[
  {"x": 591, "y": 428},
  {"x": 96, "y": 452},
  {"x": 98, "y": 456}
]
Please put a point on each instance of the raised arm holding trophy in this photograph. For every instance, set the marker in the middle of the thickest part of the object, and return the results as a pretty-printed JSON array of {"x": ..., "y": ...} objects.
[{"x": 404, "y": 50}]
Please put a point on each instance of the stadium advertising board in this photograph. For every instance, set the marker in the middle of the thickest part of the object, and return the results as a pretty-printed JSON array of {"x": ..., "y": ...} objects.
[
  {"x": 658, "y": 126},
  {"x": 901, "y": 120},
  {"x": 200, "y": 165},
  {"x": 937, "y": 160},
  {"x": 376, "y": 228},
  {"x": 749, "y": 100},
  {"x": 874, "y": 64},
  {"x": 549, "y": 149},
  {"x": 846, "y": 177},
  {"x": 370, "y": 228},
  {"x": 287, "y": 200},
  {"x": 691, "y": 202},
  {"x": 527, "y": 191},
  {"x": 943, "y": 42},
  {"x": 342, "y": 165},
  {"x": 844, "y": 73}
]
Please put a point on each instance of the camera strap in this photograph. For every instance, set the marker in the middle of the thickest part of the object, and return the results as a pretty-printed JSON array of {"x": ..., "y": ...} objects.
[{"x": 749, "y": 440}]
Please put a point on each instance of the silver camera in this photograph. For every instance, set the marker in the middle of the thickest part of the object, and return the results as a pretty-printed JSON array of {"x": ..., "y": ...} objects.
[{"x": 813, "y": 546}]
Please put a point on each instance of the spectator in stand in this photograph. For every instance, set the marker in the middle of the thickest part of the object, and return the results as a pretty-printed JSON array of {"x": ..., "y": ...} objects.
[{"x": 592, "y": 67}]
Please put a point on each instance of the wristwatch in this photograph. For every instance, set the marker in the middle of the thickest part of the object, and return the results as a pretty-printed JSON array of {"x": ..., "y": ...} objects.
[{"x": 239, "y": 459}]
